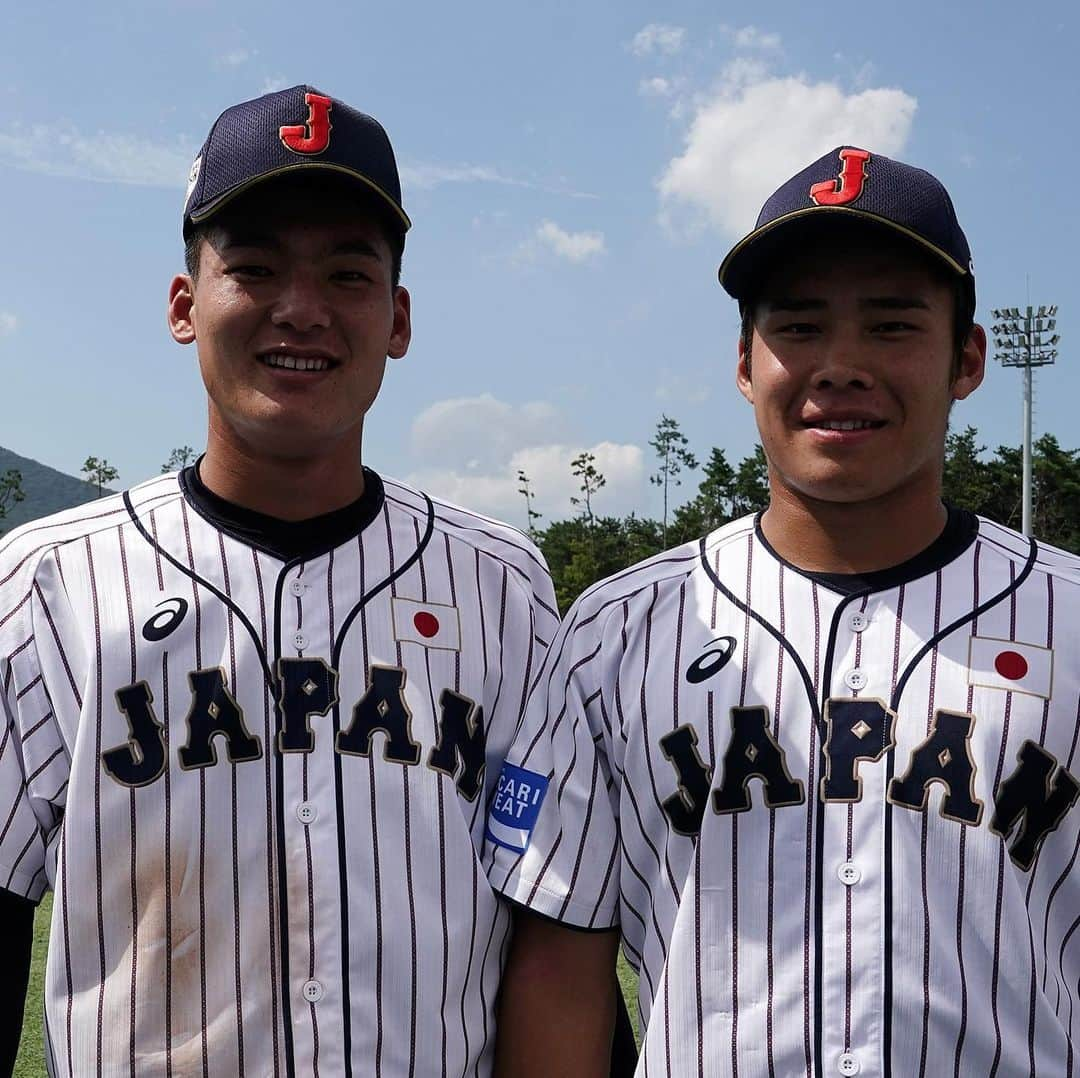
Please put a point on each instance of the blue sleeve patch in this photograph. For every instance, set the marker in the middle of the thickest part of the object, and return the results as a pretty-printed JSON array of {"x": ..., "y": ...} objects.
[{"x": 516, "y": 806}]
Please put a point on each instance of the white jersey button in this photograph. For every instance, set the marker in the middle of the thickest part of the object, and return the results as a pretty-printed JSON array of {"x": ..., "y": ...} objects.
[
  {"x": 849, "y": 874},
  {"x": 313, "y": 992},
  {"x": 855, "y": 680},
  {"x": 306, "y": 812},
  {"x": 858, "y": 621},
  {"x": 298, "y": 587},
  {"x": 300, "y": 641},
  {"x": 848, "y": 1063}
]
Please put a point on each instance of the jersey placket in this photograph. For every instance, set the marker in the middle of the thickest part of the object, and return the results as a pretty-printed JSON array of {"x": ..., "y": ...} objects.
[
  {"x": 307, "y": 817},
  {"x": 852, "y": 873}
]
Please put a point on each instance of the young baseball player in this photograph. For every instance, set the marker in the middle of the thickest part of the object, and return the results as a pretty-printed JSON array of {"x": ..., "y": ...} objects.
[
  {"x": 819, "y": 770},
  {"x": 253, "y": 712}
]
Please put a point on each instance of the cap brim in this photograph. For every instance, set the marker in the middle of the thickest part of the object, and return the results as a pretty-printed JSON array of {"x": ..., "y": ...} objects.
[
  {"x": 223, "y": 200},
  {"x": 743, "y": 264}
]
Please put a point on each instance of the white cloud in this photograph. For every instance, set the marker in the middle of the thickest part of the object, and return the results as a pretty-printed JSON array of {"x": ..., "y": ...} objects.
[
  {"x": 464, "y": 429},
  {"x": 750, "y": 37},
  {"x": 8, "y": 323},
  {"x": 656, "y": 87},
  {"x": 658, "y": 38},
  {"x": 272, "y": 83},
  {"x": 115, "y": 157},
  {"x": 573, "y": 246},
  {"x": 481, "y": 442},
  {"x": 237, "y": 57},
  {"x": 56, "y": 150},
  {"x": 427, "y": 176},
  {"x": 756, "y": 130},
  {"x": 496, "y": 491}
]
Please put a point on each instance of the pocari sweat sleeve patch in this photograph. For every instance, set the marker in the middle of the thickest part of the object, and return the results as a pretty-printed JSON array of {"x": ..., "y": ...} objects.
[{"x": 516, "y": 806}]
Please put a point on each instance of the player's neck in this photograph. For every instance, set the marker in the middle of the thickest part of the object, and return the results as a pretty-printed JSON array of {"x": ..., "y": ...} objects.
[
  {"x": 288, "y": 488},
  {"x": 862, "y": 537}
]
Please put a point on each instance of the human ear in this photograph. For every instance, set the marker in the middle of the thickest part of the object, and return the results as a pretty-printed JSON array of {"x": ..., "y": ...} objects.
[
  {"x": 742, "y": 371},
  {"x": 401, "y": 334},
  {"x": 181, "y": 309},
  {"x": 972, "y": 365}
]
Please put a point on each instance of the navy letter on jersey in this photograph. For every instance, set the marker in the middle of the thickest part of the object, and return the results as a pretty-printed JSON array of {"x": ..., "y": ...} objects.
[
  {"x": 1028, "y": 792},
  {"x": 383, "y": 708},
  {"x": 213, "y": 712},
  {"x": 754, "y": 752},
  {"x": 142, "y": 759},
  {"x": 943, "y": 757}
]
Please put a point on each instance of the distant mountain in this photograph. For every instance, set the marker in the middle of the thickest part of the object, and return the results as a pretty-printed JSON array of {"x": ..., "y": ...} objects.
[{"x": 47, "y": 490}]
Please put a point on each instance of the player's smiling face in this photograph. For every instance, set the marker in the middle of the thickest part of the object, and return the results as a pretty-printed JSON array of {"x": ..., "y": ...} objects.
[
  {"x": 852, "y": 374},
  {"x": 294, "y": 313}
]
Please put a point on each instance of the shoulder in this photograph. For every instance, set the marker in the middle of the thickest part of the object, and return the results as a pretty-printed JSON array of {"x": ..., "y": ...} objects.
[
  {"x": 489, "y": 538},
  {"x": 1029, "y": 555},
  {"x": 23, "y": 550},
  {"x": 651, "y": 580}
]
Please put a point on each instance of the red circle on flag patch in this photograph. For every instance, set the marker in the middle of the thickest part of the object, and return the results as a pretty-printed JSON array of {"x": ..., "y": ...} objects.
[
  {"x": 1011, "y": 664},
  {"x": 427, "y": 625}
]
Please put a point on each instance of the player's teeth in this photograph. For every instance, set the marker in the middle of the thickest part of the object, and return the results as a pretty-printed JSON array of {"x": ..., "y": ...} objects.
[
  {"x": 292, "y": 363},
  {"x": 846, "y": 424}
]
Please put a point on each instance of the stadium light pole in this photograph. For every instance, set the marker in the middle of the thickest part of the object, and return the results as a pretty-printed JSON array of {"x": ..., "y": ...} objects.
[{"x": 1019, "y": 342}]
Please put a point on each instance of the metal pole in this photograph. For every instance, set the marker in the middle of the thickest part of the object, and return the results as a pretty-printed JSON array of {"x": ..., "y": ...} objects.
[{"x": 1025, "y": 527}]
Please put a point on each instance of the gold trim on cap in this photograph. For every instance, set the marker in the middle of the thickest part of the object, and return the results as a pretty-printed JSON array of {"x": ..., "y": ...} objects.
[
  {"x": 300, "y": 166},
  {"x": 746, "y": 241}
]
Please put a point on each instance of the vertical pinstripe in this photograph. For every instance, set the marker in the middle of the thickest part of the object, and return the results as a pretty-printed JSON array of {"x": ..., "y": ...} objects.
[
  {"x": 181, "y": 965},
  {"x": 905, "y": 943}
]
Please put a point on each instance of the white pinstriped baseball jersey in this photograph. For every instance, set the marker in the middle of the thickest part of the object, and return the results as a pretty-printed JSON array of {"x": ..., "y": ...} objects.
[
  {"x": 258, "y": 787},
  {"x": 838, "y": 831}
]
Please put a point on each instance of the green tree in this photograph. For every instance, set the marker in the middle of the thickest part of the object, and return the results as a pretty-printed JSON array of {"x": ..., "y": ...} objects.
[
  {"x": 532, "y": 516},
  {"x": 99, "y": 472},
  {"x": 179, "y": 458},
  {"x": 670, "y": 444},
  {"x": 751, "y": 488},
  {"x": 1055, "y": 496},
  {"x": 712, "y": 506},
  {"x": 583, "y": 467},
  {"x": 966, "y": 480},
  {"x": 579, "y": 553},
  {"x": 11, "y": 490}
]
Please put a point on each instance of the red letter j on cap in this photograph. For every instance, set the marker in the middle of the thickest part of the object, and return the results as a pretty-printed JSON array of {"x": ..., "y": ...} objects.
[
  {"x": 850, "y": 184},
  {"x": 314, "y": 136}
]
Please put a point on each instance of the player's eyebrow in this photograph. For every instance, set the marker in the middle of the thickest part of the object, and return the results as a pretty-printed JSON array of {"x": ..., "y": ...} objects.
[
  {"x": 267, "y": 242},
  {"x": 356, "y": 247}
]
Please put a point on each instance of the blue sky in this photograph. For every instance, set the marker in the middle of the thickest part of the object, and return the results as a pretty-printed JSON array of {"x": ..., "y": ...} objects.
[{"x": 574, "y": 172}]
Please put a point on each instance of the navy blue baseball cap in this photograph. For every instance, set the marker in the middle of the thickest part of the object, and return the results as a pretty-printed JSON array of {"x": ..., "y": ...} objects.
[
  {"x": 855, "y": 186},
  {"x": 285, "y": 132}
]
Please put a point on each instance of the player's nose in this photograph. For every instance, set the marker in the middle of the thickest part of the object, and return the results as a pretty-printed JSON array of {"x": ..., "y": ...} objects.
[
  {"x": 301, "y": 303},
  {"x": 842, "y": 365}
]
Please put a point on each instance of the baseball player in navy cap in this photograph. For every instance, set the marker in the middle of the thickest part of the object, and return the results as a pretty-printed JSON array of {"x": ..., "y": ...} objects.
[
  {"x": 253, "y": 712},
  {"x": 818, "y": 770}
]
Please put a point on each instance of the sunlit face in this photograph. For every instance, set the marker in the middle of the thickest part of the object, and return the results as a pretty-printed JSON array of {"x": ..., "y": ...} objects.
[
  {"x": 853, "y": 372},
  {"x": 294, "y": 313}
]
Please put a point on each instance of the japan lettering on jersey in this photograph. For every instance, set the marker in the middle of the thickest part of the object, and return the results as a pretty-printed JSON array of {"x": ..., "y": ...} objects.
[
  {"x": 839, "y": 832},
  {"x": 258, "y": 788}
]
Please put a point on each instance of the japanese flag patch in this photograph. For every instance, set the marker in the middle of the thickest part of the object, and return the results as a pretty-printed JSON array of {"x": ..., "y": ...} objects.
[
  {"x": 433, "y": 625},
  {"x": 1012, "y": 666},
  {"x": 516, "y": 807}
]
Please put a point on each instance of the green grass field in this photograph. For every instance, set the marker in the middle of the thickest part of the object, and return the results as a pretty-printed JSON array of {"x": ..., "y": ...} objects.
[{"x": 31, "y": 1061}]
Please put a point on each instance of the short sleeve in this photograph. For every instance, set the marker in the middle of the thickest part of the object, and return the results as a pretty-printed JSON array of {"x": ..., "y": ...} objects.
[
  {"x": 34, "y": 759},
  {"x": 552, "y": 833}
]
